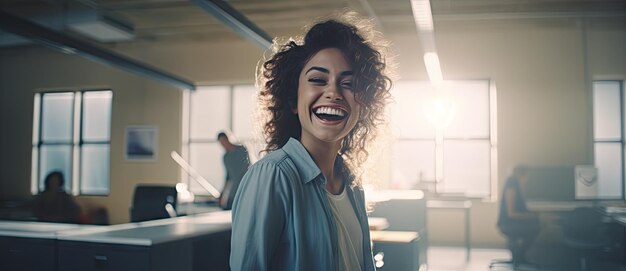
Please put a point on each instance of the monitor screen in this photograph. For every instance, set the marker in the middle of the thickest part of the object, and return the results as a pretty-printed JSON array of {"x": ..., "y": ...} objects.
[{"x": 550, "y": 184}]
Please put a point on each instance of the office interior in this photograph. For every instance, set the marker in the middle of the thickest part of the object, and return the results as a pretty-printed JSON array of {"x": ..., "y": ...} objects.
[{"x": 538, "y": 61}]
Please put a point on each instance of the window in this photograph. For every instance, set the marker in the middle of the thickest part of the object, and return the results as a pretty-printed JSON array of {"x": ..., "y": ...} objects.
[
  {"x": 458, "y": 156},
  {"x": 608, "y": 137},
  {"x": 444, "y": 137},
  {"x": 71, "y": 134},
  {"x": 209, "y": 110}
]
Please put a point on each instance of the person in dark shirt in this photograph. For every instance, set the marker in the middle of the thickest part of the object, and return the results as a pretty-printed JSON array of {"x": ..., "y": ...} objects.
[
  {"x": 236, "y": 163},
  {"x": 520, "y": 225},
  {"x": 54, "y": 204}
]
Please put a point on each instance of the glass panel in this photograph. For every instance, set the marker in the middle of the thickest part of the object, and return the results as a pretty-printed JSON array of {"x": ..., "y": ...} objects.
[
  {"x": 94, "y": 174},
  {"x": 466, "y": 167},
  {"x": 206, "y": 158},
  {"x": 210, "y": 111},
  {"x": 608, "y": 157},
  {"x": 408, "y": 117},
  {"x": 607, "y": 110},
  {"x": 57, "y": 117},
  {"x": 470, "y": 112},
  {"x": 56, "y": 158},
  {"x": 411, "y": 162},
  {"x": 245, "y": 106},
  {"x": 97, "y": 115}
]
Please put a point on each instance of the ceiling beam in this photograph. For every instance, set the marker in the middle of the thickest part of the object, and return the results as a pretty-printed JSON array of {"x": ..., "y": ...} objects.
[
  {"x": 70, "y": 45},
  {"x": 236, "y": 21}
]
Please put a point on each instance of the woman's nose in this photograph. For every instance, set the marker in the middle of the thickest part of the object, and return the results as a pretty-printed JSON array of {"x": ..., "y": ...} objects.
[{"x": 333, "y": 93}]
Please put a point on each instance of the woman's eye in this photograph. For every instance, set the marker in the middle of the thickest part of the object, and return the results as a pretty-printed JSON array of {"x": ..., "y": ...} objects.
[
  {"x": 346, "y": 84},
  {"x": 317, "y": 80}
]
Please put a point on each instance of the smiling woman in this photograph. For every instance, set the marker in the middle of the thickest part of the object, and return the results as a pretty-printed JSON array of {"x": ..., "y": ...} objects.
[
  {"x": 301, "y": 207},
  {"x": 326, "y": 106}
]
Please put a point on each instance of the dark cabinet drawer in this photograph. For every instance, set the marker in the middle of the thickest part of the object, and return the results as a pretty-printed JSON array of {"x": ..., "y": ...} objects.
[
  {"x": 17, "y": 253},
  {"x": 82, "y": 256}
]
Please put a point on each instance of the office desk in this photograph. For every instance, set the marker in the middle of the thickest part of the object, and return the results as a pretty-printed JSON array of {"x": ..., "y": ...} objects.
[
  {"x": 400, "y": 250},
  {"x": 183, "y": 243},
  {"x": 29, "y": 245},
  {"x": 198, "y": 242},
  {"x": 556, "y": 206},
  {"x": 378, "y": 223},
  {"x": 620, "y": 219},
  {"x": 465, "y": 205}
]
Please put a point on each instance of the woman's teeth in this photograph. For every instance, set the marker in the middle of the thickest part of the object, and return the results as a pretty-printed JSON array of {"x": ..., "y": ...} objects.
[{"x": 330, "y": 111}]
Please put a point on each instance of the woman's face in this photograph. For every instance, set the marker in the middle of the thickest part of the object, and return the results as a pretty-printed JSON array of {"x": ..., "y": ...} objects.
[{"x": 326, "y": 106}]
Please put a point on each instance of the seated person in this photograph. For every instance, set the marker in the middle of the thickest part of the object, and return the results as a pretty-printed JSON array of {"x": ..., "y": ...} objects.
[
  {"x": 520, "y": 226},
  {"x": 54, "y": 204}
]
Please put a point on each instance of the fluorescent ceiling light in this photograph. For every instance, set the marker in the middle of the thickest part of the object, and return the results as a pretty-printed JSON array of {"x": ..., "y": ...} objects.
[
  {"x": 423, "y": 15},
  {"x": 433, "y": 68},
  {"x": 99, "y": 26}
]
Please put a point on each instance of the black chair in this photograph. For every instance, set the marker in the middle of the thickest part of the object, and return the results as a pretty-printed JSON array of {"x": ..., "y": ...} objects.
[
  {"x": 519, "y": 236},
  {"x": 153, "y": 202},
  {"x": 517, "y": 253},
  {"x": 585, "y": 232}
]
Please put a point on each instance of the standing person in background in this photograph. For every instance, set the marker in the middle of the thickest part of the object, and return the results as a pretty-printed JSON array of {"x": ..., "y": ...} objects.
[
  {"x": 515, "y": 221},
  {"x": 302, "y": 206},
  {"x": 54, "y": 204},
  {"x": 236, "y": 163}
]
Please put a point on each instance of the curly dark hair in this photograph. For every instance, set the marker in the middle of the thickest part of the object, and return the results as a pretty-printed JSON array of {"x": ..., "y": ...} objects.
[{"x": 279, "y": 76}]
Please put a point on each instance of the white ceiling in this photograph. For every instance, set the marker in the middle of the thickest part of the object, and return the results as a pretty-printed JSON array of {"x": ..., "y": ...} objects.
[{"x": 159, "y": 20}]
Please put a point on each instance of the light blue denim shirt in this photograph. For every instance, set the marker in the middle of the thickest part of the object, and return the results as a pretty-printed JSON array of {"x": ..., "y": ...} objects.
[{"x": 282, "y": 219}]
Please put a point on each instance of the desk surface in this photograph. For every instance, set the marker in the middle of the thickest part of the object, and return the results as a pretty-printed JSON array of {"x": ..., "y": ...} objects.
[
  {"x": 140, "y": 233},
  {"x": 449, "y": 204},
  {"x": 33, "y": 229},
  {"x": 557, "y": 206},
  {"x": 155, "y": 231},
  {"x": 378, "y": 223},
  {"x": 394, "y": 236}
]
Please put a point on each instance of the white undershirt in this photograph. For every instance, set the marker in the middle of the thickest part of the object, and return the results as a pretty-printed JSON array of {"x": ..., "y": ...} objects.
[{"x": 350, "y": 236}]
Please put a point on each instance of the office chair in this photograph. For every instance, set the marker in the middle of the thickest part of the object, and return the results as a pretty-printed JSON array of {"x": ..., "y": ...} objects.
[
  {"x": 515, "y": 263},
  {"x": 153, "y": 202},
  {"x": 585, "y": 232}
]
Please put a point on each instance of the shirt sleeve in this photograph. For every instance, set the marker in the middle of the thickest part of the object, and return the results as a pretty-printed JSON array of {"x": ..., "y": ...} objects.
[{"x": 259, "y": 213}]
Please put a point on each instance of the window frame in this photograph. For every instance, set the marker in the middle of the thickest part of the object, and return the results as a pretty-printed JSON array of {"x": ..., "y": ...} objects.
[
  {"x": 76, "y": 142},
  {"x": 621, "y": 140},
  {"x": 188, "y": 140},
  {"x": 439, "y": 140}
]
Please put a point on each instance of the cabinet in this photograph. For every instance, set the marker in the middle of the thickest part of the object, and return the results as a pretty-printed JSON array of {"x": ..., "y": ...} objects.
[
  {"x": 83, "y": 256},
  {"x": 198, "y": 242},
  {"x": 23, "y": 253},
  {"x": 398, "y": 250}
]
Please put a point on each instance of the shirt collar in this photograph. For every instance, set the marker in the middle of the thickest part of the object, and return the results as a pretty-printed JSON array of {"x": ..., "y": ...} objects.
[
  {"x": 302, "y": 159},
  {"x": 306, "y": 166},
  {"x": 304, "y": 162}
]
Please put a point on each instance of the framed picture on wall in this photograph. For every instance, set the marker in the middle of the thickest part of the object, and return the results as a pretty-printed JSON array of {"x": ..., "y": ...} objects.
[{"x": 141, "y": 143}]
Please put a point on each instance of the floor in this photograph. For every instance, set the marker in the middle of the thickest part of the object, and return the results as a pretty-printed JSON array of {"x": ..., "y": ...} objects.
[{"x": 453, "y": 259}]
